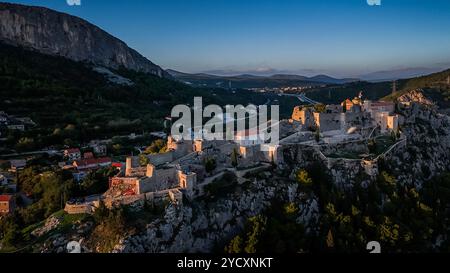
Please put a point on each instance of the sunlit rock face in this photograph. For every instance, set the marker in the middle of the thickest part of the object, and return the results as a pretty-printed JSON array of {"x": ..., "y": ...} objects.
[{"x": 55, "y": 33}]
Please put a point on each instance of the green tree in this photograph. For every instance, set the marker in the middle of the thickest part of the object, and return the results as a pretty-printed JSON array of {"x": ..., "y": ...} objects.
[
  {"x": 235, "y": 246},
  {"x": 302, "y": 177},
  {"x": 210, "y": 165},
  {"x": 290, "y": 209},
  {"x": 257, "y": 227},
  {"x": 143, "y": 160},
  {"x": 25, "y": 144},
  {"x": 97, "y": 182},
  {"x": 387, "y": 182},
  {"x": 10, "y": 232},
  {"x": 372, "y": 145},
  {"x": 234, "y": 158},
  {"x": 158, "y": 146},
  {"x": 320, "y": 108},
  {"x": 330, "y": 239},
  {"x": 317, "y": 135},
  {"x": 101, "y": 213}
]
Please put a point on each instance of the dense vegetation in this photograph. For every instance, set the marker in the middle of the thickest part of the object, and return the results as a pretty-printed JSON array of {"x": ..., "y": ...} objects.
[
  {"x": 401, "y": 218},
  {"x": 72, "y": 104},
  {"x": 45, "y": 192},
  {"x": 335, "y": 94},
  {"x": 435, "y": 86}
]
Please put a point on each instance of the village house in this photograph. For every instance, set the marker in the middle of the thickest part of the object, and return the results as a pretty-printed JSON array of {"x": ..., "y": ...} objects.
[
  {"x": 14, "y": 123},
  {"x": 79, "y": 176},
  {"x": 3, "y": 118},
  {"x": 117, "y": 165},
  {"x": 72, "y": 154},
  {"x": 17, "y": 165},
  {"x": 7, "y": 204},
  {"x": 3, "y": 180},
  {"x": 99, "y": 149},
  {"x": 92, "y": 163},
  {"x": 16, "y": 126},
  {"x": 347, "y": 105},
  {"x": 88, "y": 155}
]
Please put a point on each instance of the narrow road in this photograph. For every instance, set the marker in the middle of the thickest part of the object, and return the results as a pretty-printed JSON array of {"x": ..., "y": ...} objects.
[
  {"x": 302, "y": 97},
  {"x": 49, "y": 152}
]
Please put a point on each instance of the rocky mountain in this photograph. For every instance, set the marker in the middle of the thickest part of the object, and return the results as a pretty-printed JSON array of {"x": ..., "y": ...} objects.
[
  {"x": 415, "y": 96},
  {"x": 54, "y": 33}
]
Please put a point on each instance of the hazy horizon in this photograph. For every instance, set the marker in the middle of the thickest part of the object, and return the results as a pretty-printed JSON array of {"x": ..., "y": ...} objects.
[{"x": 265, "y": 37}]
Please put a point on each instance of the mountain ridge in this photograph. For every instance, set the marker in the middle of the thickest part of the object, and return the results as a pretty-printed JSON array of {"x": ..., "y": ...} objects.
[
  {"x": 54, "y": 33},
  {"x": 275, "y": 80}
]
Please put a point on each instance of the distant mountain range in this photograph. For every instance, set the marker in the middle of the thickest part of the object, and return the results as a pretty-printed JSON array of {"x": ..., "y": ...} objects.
[
  {"x": 54, "y": 34},
  {"x": 59, "y": 34},
  {"x": 253, "y": 81},
  {"x": 406, "y": 73}
]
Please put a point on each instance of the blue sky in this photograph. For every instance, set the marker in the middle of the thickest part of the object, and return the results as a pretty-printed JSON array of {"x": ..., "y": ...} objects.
[{"x": 340, "y": 37}]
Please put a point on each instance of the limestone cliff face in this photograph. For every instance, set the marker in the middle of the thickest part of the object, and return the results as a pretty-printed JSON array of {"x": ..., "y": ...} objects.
[{"x": 55, "y": 33}]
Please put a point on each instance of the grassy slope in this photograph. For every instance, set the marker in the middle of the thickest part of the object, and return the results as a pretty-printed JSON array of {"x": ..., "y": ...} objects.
[
  {"x": 434, "y": 85},
  {"x": 337, "y": 93}
]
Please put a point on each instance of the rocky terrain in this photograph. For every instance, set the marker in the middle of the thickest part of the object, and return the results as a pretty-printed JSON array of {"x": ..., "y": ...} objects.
[
  {"x": 195, "y": 227},
  {"x": 55, "y": 33},
  {"x": 203, "y": 226},
  {"x": 415, "y": 96},
  {"x": 206, "y": 225},
  {"x": 428, "y": 145}
]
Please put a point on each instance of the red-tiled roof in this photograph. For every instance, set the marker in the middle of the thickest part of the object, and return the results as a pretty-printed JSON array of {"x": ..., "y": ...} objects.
[
  {"x": 73, "y": 150},
  {"x": 117, "y": 165},
  {"x": 88, "y": 155},
  {"x": 347, "y": 101},
  {"x": 92, "y": 161},
  {"x": 5, "y": 198}
]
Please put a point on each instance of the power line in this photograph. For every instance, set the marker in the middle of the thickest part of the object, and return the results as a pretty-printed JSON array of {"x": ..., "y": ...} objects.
[{"x": 394, "y": 87}]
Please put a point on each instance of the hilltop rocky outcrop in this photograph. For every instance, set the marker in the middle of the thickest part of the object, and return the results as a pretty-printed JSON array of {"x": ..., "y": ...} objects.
[
  {"x": 415, "y": 96},
  {"x": 201, "y": 227},
  {"x": 205, "y": 225},
  {"x": 54, "y": 33},
  {"x": 428, "y": 145}
]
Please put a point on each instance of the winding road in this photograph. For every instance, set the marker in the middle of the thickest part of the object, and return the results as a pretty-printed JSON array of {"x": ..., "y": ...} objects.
[{"x": 302, "y": 97}]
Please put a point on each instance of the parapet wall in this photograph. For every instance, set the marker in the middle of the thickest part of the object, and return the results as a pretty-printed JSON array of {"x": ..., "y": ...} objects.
[
  {"x": 160, "y": 159},
  {"x": 344, "y": 172},
  {"x": 79, "y": 209},
  {"x": 89, "y": 207}
]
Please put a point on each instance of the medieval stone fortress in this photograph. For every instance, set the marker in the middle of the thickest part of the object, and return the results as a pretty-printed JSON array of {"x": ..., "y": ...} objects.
[{"x": 338, "y": 135}]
